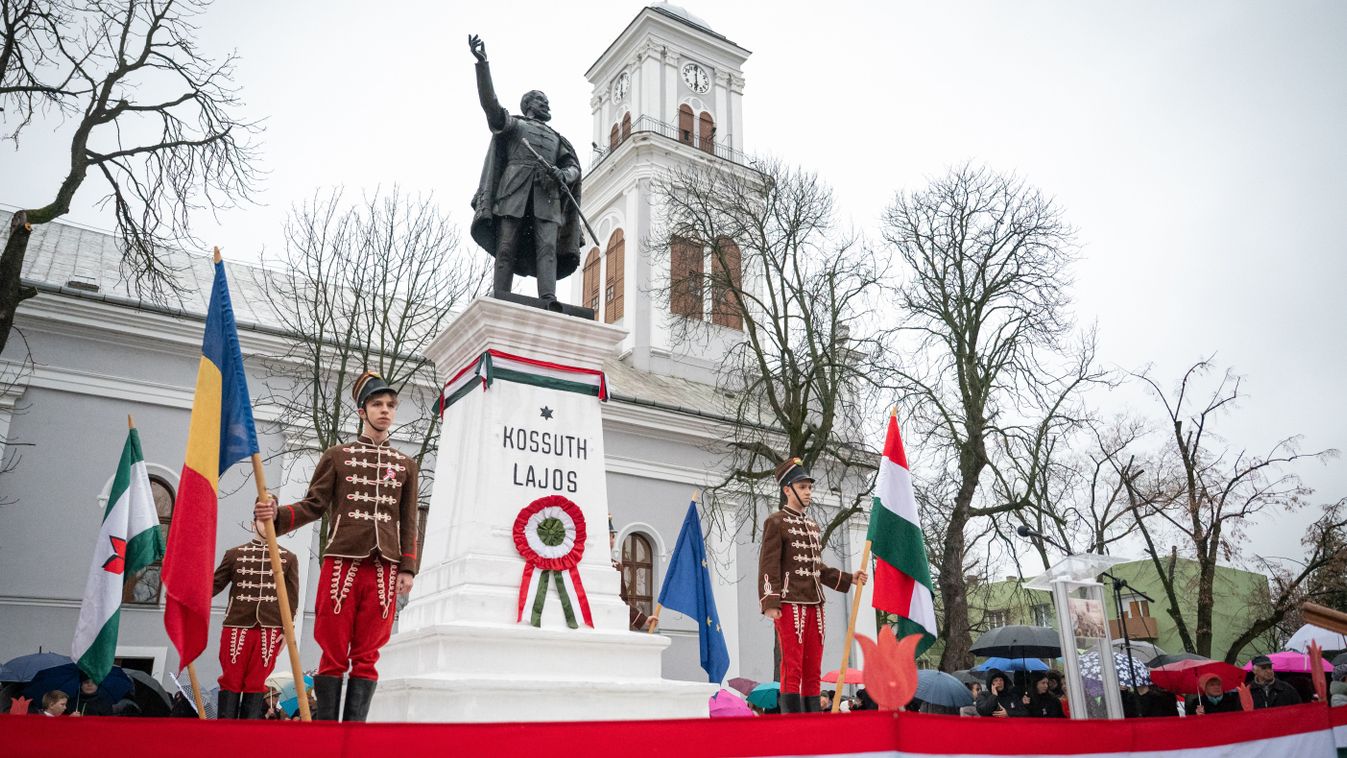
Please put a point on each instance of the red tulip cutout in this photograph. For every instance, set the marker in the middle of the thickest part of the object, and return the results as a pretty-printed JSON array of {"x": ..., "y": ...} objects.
[
  {"x": 1317, "y": 671},
  {"x": 1245, "y": 697},
  {"x": 19, "y": 706},
  {"x": 890, "y": 668}
]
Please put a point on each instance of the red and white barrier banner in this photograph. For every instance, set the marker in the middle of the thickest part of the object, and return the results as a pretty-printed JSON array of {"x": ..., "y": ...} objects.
[{"x": 1304, "y": 731}]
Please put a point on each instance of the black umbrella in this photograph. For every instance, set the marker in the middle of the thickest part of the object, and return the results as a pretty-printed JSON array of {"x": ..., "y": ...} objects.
[
  {"x": 149, "y": 695},
  {"x": 25, "y": 667},
  {"x": 1165, "y": 660},
  {"x": 1019, "y": 641},
  {"x": 1339, "y": 659},
  {"x": 967, "y": 677}
]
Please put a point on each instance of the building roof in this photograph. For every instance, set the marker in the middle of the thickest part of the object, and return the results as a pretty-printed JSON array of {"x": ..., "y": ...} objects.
[{"x": 682, "y": 14}]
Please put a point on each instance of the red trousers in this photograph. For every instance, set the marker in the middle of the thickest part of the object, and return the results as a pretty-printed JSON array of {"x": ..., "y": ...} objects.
[
  {"x": 800, "y": 630},
  {"x": 357, "y": 602},
  {"x": 248, "y": 656}
]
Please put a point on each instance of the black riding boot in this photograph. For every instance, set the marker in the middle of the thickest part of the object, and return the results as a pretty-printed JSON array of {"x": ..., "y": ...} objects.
[
  {"x": 359, "y": 693},
  {"x": 253, "y": 705},
  {"x": 227, "y": 706},
  {"x": 327, "y": 689},
  {"x": 812, "y": 704},
  {"x": 791, "y": 702}
]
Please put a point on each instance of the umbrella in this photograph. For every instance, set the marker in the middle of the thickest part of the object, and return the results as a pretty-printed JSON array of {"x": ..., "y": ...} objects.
[
  {"x": 1011, "y": 664},
  {"x": 149, "y": 694},
  {"x": 743, "y": 685},
  {"x": 939, "y": 688},
  {"x": 25, "y": 667},
  {"x": 1339, "y": 659},
  {"x": 1310, "y": 633},
  {"x": 1181, "y": 677},
  {"x": 854, "y": 676},
  {"x": 725, "y": 704},
  {"x": 66, "y": 678},
  {"x": 765, "y": 695},
  {"x": 1091, "y": 664},
  {"x": 1165, "y": 660},
  {"x": 1142, "y": 651},
  {"x": 1291, "y": 662},
  {"x": 6, "y": 675},
  {"x": 1019, "y": 641},
  {"x": 967, "y": 677}
]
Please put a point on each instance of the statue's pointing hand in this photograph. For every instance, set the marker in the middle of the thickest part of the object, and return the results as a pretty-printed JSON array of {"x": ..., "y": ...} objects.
[{"x": 478, "y": 48}]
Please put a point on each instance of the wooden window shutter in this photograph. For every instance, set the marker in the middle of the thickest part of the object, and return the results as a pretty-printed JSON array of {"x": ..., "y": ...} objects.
[
  {"x": 685, "y": 124},
  {"x": 626, "y": 125},
  {"x": 685, "y": 272},
  {"x": 726, "y": 279},
  {"x": 612, "y": 138},
  {"x": 613, "y": 262},
  {"x": 590, "y": 296},
  {"x": 706, "y": 139}
]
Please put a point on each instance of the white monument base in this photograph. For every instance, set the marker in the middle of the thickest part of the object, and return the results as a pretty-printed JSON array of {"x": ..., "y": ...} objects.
[{"x": 462, "y": 653}]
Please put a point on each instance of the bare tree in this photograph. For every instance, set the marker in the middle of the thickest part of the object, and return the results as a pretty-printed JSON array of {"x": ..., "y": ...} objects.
[
  {"x": 364, "y": 285},
  {"x": 993, "y": 381},
  {"x": 802, "y": 367},
  {"x": 153, "y": 117},
  {"x": 1195, "y": 497}
]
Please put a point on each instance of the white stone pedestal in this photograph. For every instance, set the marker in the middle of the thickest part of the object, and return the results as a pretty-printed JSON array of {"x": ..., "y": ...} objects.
[{"x": 460, "y": 654}]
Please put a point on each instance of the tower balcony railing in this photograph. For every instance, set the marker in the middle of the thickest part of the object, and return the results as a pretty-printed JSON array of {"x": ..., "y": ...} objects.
[{"x": 689, "y": 137}]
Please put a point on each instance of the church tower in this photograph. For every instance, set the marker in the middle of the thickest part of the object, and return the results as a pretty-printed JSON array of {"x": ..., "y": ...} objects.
[{"x": 667, "y": 91}]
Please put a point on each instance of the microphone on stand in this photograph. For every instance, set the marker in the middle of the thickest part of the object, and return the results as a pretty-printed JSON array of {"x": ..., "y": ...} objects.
[{"x": 1027, "y": 531}]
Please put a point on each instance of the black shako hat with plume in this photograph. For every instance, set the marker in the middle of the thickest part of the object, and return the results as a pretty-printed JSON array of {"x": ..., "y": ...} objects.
[{"x": 368, "y": 385}]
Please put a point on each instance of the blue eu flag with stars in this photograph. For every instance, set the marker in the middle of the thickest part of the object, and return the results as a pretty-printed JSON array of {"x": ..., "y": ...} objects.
[{"x": 687, "y": 589}]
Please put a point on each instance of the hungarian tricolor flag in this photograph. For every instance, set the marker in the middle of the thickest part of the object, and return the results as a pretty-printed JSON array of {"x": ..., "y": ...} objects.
[
  {"x": 128, "y": 541},
  {"x": 902, "y": 582},
  {"x": 221, "y": 434}
]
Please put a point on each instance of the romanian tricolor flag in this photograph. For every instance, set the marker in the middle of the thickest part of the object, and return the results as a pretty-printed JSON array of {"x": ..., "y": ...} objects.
[{"x": 221, "y": 434}]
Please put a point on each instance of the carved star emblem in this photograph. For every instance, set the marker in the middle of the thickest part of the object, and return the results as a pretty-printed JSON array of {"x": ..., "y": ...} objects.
[
  {"x": 116, "y": 563},
  {"x": 546, "y": 412}
]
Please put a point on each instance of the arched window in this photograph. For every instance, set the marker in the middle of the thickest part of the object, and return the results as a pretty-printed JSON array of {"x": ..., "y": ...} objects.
[
  {"x": 685, "y": 277},
  {"x": 726, "y": 279},
  {"x": 626, "y": 125},
  {"x": 145, "y": 587},
  {"x": 706, "y": 132},
  {"x": 613, "y": 138},
  {"x": 638, "y": 572},
  {"x": 590, "y": 296},
  {"x": 612, "y": 291},
  {"x": 686, "y": 122}
]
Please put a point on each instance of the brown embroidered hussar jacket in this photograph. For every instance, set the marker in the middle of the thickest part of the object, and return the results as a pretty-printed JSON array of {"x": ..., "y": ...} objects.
[
  {"x": 246, "y": 570},
  {"x": 369, "y": 494},
  {"x": 790, "y": 569}
]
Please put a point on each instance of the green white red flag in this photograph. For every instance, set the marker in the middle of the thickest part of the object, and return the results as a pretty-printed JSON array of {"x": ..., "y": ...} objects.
[
  {"x": 902, "y": 576},
  {"x": 129, "y": 540}
]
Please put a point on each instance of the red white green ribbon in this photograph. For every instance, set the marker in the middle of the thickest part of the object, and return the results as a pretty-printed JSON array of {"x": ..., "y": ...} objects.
[
  {"x": 549, "y": 534},
  {"x": 494, "y": 365}
]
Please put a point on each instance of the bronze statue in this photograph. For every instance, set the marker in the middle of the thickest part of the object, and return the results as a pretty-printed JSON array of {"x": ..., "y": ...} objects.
[{"x": 526, "y": 211}]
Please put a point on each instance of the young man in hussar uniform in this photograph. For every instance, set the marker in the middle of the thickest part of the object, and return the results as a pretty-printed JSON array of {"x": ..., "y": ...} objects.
[
  {"x": 368, "y": 491},
  {"x": 791, "y": 578},
  {"x": 252, "y": 635}
]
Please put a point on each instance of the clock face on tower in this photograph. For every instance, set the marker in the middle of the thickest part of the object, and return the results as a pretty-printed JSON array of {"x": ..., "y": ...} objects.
[
  {"x": 696, "y": 78},
  {"x": 621, "y": 85}
]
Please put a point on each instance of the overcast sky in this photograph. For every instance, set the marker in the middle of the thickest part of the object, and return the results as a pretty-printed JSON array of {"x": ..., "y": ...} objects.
[{"x": 1198, "y": 147}]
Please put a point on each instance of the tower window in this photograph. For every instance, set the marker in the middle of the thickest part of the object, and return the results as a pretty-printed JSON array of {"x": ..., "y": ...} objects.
[
  {"x": 726, "y": 280},
  {"x": 706, "y": 128},
  {"x": 686, "y": 121},
  {"x": 613, "y": 138},
  {"x": 626, "y": 125},
  {"x": 685, "y": 273},
  {"x": 612, "y": 294},
  {"x": 590, "y": 296}
]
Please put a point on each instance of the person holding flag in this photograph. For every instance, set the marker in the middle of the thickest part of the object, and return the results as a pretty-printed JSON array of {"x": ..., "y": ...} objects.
[
  {"x": 687, "y": 589},
  {"x": 129, "y": 540},
  {"x": 792, "y": 577},
  {"x": 368, "y": 490},
  {"x": 251, "y": 635}
]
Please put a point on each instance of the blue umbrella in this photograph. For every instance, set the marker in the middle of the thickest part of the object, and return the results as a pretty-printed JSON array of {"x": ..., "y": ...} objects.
[
  {"x": 1012, "y": 664},
  {"x": 6, "y": 675},
  {"x": 66, "y": 678},
  {"x": 25, "y": 667},
  {"x": 939, "y": 688},
  {"x": 765, "y": 695}
]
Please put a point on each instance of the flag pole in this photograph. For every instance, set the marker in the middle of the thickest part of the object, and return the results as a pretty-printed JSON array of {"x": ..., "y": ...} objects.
[
  {"x": 282, "y": 593},
  {"x": 851, "y": 633}
]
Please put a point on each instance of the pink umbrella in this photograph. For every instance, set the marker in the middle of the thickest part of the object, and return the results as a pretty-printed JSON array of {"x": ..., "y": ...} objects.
[
  {"x": 854, "y": 676},
  {"x": 1291, "y": 662},
  {"x": 726, "y": 704}
]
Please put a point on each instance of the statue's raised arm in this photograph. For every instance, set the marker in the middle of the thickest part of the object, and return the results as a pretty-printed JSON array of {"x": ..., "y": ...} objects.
[{"x": 496, "y": 116}]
